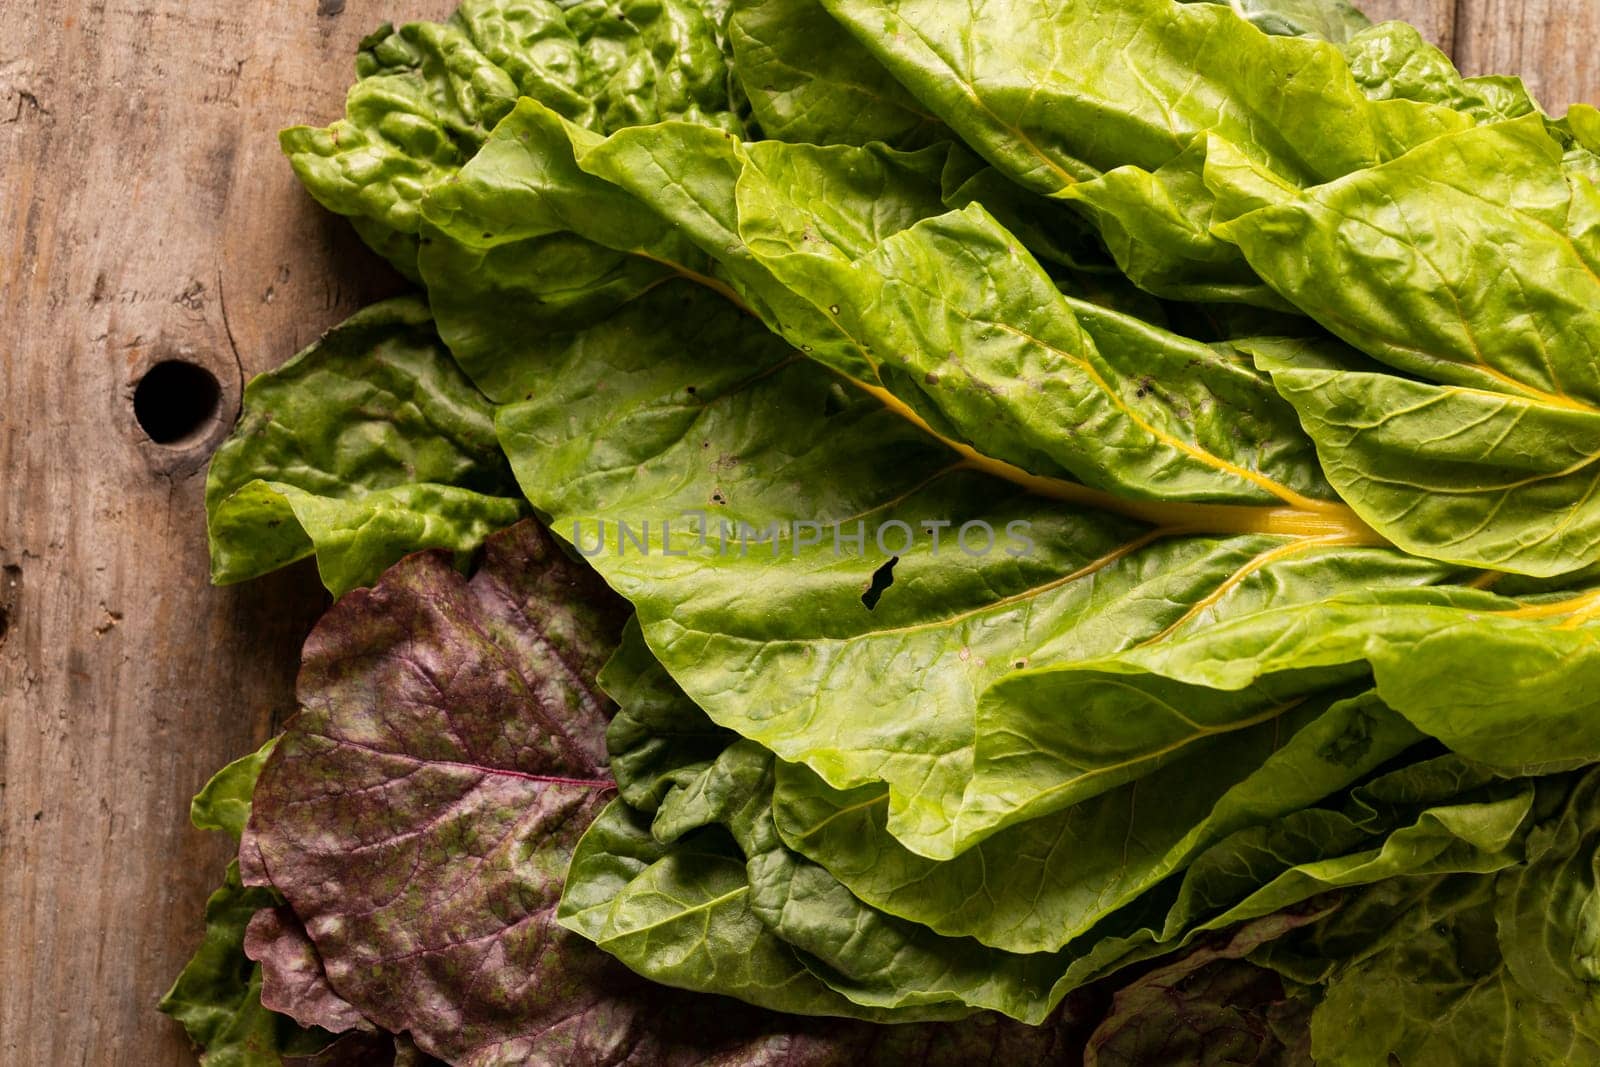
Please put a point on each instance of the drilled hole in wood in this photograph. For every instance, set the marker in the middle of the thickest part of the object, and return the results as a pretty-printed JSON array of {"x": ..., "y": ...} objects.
[{"x": 175, "y": 400}]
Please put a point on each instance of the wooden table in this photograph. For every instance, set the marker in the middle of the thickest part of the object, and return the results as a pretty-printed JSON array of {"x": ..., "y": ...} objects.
[{"x": 148, "y": 217}]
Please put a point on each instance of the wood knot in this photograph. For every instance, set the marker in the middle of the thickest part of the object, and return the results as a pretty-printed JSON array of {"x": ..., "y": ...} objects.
[{"x": 180, "y": 411}]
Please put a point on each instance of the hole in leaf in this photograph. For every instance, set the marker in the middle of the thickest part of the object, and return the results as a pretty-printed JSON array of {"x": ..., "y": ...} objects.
[
  {"x": 174, "y": 400},
  {"x": 882, "y": 578}
]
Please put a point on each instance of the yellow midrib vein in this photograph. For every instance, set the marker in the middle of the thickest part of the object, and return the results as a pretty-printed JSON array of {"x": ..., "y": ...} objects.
[
  {"x": 1288, "y": 496},
  {"x": 1313, "y": 519},
  {"x": 1575, "y": 610},
  {"x": 1256, "y": 563},
  {"x": 1299, "y": 516}
]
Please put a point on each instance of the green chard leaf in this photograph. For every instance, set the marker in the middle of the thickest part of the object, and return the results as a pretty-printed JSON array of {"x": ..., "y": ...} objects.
[
  {"x": 224, "y": 802},
  {"x": 1485, "y": 452},
  {"x": 1021, "y": 98},
  {"x": 680, "y": 914},
  {"x": 366, "y": 446},
  {"x": 1442, "y": 818},
  {"x": 1490, "y": 968},
  {"x": 217, "y": 997},
  {"x": 725, "y": 450},
  {"x": 878, "y": 284},
  {"x": 1048, "y": 880},
  {"x": 1392, "y": 61},
  {"x": 808, "y": 80},
  {"x": 1497, "y": 679},
  {"x": 1103, "y": 104},
  {"x": 659, "y": 738},
  {"x": 429, "y": 93}
]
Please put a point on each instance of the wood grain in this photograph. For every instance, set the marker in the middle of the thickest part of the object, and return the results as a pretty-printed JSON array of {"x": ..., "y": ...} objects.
[
  {"x": 148, "y": 216},
  {"x": 1435, "y": 18},
  {"x": 1553, "y": 44}
]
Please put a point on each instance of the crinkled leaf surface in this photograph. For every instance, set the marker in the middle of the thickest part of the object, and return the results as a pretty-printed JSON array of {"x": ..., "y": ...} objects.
[
  {"x": 1048, "y": 880},
  {"x": 294, "y": 981},
  {"x": 808, "y": 80},
  {"x": 1093, "y": 86},
  {"x": 1493, "y": 969},
  {"x": 429, "y": 93},
  {"x": 1441, "y": 816},
  {"x": 1393, "y": 60},
  {"x": 1251, "y": 873},
  {"x": 658, "y": 738},
  {"x": 217, "y": 997},
  {"x": 680, "y": 914},
  {"x": 366, "y": 446}
]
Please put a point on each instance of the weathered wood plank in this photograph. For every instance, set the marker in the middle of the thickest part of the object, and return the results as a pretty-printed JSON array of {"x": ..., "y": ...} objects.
[
  {"x": 146, "y": 216},
  {"x": 1435, "y": 18},
  {"x": 1551, "y": 44}
]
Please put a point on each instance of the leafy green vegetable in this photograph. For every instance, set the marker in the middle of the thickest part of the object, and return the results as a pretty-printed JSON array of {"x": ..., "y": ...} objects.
[
  {"x": 223, "y": 803},
  {"x": 1138, "y": 81},
  {"x": 681, "y": 915},
  {"x": 1104, "y": 496},
  {"x": 1489, "y": 460},
  {"x": 1464, "y": 968},
  {"x": 1392, "y": 60},
  {"x": 616, "y": 885},
  {"x": 1025, "y": 890},
  {"x": 810, "y": 81},
  {"x": 217, "y": 998},
  {"x": 367, "y": 445},
  {"x": 939, "y": 315},
  {"x": 1104, "y": 105},
  {"x": 429, "y": 93},
  {"x": 798, "y": 648}
]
